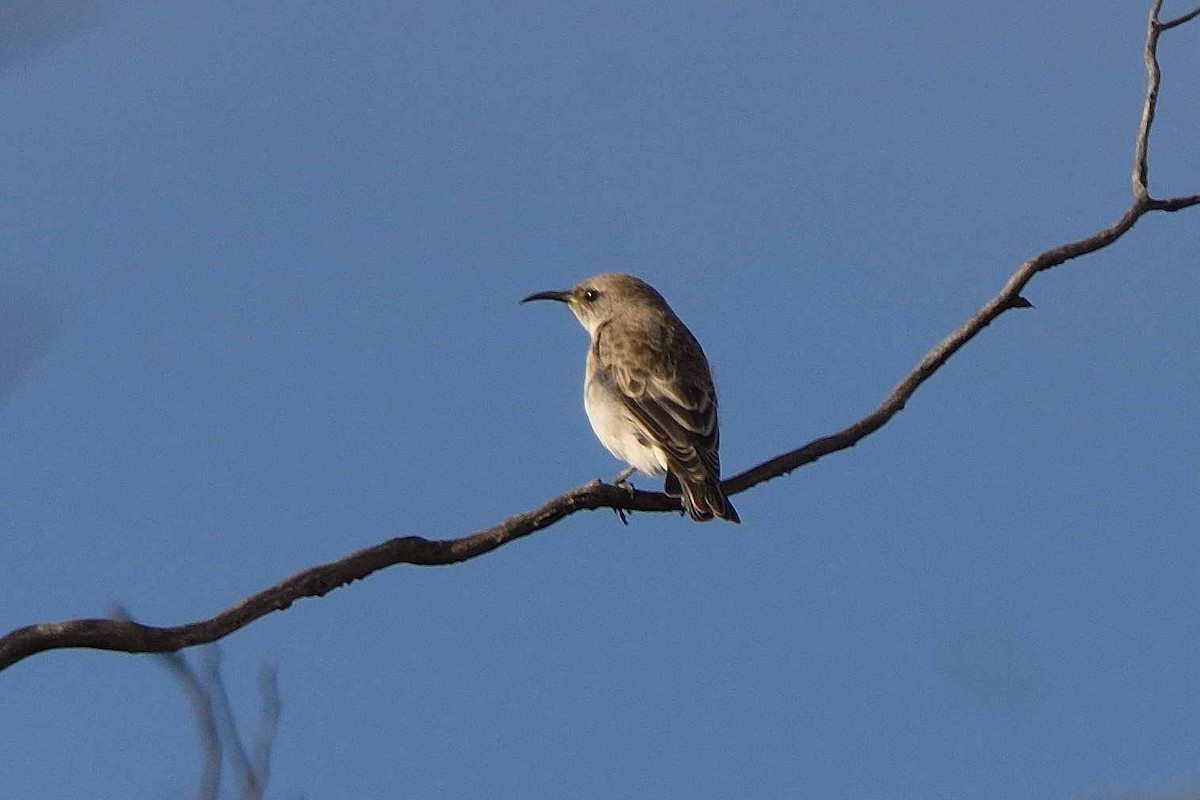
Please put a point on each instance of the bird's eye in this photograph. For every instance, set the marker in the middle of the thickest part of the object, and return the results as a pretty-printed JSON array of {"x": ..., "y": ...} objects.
[{"x": 590, "y": 295}]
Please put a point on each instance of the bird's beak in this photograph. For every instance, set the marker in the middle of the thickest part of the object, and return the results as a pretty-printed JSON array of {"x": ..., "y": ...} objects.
[{"x": 561, "y": 297}]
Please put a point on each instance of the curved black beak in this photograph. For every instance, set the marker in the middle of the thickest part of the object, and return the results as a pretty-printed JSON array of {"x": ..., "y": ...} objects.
[{"x": 552, "y": 295}]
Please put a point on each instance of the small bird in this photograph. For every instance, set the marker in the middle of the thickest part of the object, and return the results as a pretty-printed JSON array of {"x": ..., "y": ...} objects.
[{"x": 648, "y": 391}]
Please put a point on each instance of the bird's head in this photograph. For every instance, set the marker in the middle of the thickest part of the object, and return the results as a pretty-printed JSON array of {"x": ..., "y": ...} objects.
[{"x": 596, "y": 300}]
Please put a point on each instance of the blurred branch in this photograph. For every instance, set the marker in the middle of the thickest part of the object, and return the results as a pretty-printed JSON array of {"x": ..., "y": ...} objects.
[
  {"x": 217, "y": 727},
  {"x": 206, "y": 722},
  {"x": 231, "y": 740},
  {"x": 34, "y": 310},
  {"x": 30, "y": 26},
  {"x": 128, "y": 636},
  {"x": 272, "y": 708}
]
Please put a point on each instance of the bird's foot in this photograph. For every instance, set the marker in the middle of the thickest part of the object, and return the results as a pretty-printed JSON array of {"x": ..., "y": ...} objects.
[{"x": 622, "y": 482}]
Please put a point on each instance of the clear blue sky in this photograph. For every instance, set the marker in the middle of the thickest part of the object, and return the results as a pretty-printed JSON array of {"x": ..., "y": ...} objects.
[{"x": 267, "y": 258}]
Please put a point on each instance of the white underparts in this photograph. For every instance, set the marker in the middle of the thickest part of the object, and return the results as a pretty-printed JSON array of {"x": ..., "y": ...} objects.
[{"x": 617, "y": 431}]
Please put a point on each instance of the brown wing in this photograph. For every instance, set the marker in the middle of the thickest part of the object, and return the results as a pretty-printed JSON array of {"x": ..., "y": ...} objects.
[{"x": 665, "y": 384}]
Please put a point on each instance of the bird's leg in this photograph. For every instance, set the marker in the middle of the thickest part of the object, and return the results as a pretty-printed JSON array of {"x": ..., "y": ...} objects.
[{"x": 622, "y": 478}]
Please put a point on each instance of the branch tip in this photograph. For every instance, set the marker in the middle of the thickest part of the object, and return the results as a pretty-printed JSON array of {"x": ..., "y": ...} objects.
[{"x": 1182, "y": 20}]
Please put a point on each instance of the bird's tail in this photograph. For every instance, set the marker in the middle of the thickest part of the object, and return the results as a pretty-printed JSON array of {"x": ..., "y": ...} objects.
[{"x": 702, "y": 499}]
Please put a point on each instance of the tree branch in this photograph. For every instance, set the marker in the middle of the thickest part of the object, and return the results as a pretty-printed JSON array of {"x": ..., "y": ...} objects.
[
  {"x": 1166, "y": 26},
  {"x": 128, "y": 636}
]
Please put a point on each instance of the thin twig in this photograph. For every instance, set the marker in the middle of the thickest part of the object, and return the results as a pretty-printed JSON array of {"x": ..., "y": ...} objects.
[
  {"x": 1188, "y": 17},
  {"x": 206, "y": 723},
  {"x": 223, "y": 711},
  {"x": 128, "y": 636},
  {"x": 272, "y": 709}
]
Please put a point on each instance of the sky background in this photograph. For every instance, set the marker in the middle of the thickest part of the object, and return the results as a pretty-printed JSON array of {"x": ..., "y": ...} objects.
[{"x": 258, "y": 309}]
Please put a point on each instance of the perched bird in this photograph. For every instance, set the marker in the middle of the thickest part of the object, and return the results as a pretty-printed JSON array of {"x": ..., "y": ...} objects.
[{"x": 648, "y": 391}]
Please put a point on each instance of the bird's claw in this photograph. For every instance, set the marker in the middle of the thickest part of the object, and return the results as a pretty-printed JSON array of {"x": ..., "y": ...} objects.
[{"x": 622, "y": 482}]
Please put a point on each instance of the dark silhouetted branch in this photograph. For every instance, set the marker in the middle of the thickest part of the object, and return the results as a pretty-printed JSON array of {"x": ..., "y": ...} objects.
[
  {"x": 1166, "y": 26},
  {"x": 131, "y": 637}
]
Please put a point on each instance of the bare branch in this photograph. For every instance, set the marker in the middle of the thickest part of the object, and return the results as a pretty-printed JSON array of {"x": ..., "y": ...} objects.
[
  {"x": 1175, "y": 203},
  {"x": 1188, "y": 17},
  {"x": 128, "y": 636},
  {"x": 1141, "y": 147}
]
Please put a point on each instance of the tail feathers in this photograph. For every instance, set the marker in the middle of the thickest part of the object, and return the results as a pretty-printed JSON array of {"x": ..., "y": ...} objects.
[{"x": 702, "y": 500}]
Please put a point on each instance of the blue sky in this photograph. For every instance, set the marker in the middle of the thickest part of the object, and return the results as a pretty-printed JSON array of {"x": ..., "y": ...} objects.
[{"x": 262, "y": 266}]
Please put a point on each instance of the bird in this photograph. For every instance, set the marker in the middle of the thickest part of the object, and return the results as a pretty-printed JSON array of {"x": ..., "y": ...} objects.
[{"x": 648, "y": 390}]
